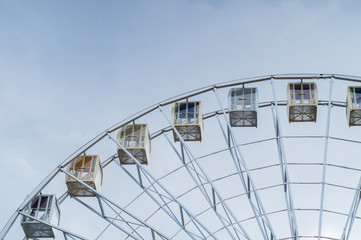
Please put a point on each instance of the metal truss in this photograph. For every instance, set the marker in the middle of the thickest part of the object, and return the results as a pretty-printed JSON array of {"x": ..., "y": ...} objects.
[
  {"x": 327, "y": 134},
  {"x": 352, "y": 214},
  {"x": 248, "y": 186},
  {"x": 197, "y": 173},
  {"x": 200, "y": 182},
  {"x": 160, "y": 194},
  {"x": 132, "y": 221},
  {"x": 135, "y": 228},
  {"x": 284, "y": 169}
]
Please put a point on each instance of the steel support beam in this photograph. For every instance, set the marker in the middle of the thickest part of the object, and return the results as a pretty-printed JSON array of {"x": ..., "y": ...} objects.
[
  {"x": 107, "y": 200},
  {"x": 197, "y": 178},
  {"x": 327, "y": 134},
  {"x": 237, "y": 82},
  {"x": 239, "y": 162},
  {"x": 162, "y": 203},
  {"x": 204, "y": 175},
  {"x": 155, "y": 182},
  {"x": 284, "y": 167},
  {"x": 352, "y": 214},
  {"x": 111, "y": 222}
]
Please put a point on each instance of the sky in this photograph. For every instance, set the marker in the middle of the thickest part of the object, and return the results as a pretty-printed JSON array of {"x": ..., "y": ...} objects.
[{"x": 70, "y": 69}]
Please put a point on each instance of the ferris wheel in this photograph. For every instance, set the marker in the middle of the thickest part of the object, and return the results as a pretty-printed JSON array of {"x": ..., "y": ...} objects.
[{"x": 269, "y": 157}]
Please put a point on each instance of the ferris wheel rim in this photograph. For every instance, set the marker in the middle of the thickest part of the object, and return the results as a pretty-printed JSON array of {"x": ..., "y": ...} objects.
[{"x": 171, "y": 100}]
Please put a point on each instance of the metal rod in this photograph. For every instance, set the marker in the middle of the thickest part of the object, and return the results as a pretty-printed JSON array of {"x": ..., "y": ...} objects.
[
  {"x": 100, "y": 214},
  {"x": 325, "y": 160},
  {"x": 153, "y": 235},
  {"x": 198, "y": 182},
  {"x": 214, "y": 200},
  {"x": 226, "y": 207},
  {"x": 163, "y": 206},
  {"x": 283, "y": 165},
  {"x": 63, "y": 197},
  {"x": 111, "y": 202},
  {"x": 195, "y": 221},
  {"x": 101, "y": 206},
  {"x": 352, "y": 214},
  {"x": 148, "y": 110},
  {"x": 239, "y": 161},
  {"x": 181, "y": 213},
  {"x": 66, "y": 238}
]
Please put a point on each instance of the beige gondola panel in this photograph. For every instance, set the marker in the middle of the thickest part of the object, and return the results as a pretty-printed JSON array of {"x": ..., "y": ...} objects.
[
  {"x": 45, "y": 208},
  {"x": 135, "y": 138},
  {"x": 88, "y": 169},
  {"x": 353, "y": 106},
  {"x": 243, "y": 104},
  {"x": 302, "y": 100},
  {"x": 188, "y": 120}
]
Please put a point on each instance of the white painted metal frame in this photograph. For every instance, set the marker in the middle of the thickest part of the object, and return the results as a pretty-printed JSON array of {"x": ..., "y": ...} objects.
[
  {"x": 239, "y": 162},
  {"x": 202, "y": 173},
  {"x": 351, "y": 215},
  {"x": 154, "y": 182},
  {"x": 284, "y": 168},
  {"x": 122, "y": 210},
  {"x": 200, "y": 181},
  {"x": 327, "y": 134}
]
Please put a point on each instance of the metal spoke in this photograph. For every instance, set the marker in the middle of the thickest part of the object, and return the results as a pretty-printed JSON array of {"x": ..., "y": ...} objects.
[
  {"x": 200, "y": 185},
  {"x": 325, "y": 160},
  {"x": 284, "y": 168},
  {"x": 239, "y": 162},
  {"x": 227, "y": 209},
  {"x": 193, "y": 225},
  {"x": 195, "y": 221},
  {"x": 110, "y": 222},
  {"x": 105, "y": 199},
  {"x": 352, "y": 214}
]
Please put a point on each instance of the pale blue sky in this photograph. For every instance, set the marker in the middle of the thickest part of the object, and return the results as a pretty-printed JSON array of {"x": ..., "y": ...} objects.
[{"x": 70, "y": 69}]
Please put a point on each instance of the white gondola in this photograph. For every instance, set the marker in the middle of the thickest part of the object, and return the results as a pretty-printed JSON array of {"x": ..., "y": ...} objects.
[
  {"x": 45, "y": 208},
  {"x": 243, "y": 104},
  {"x": 135, "y": 139},
  {"x": 188, "y": 120},
  {"x": 302, "y": 100},
  {"x": 88, "y": 169},
  {"x": 353, "y": 109}
]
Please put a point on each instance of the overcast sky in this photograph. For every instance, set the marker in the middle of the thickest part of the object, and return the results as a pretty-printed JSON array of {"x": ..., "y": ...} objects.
[{"x": 70, "y": 69}]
